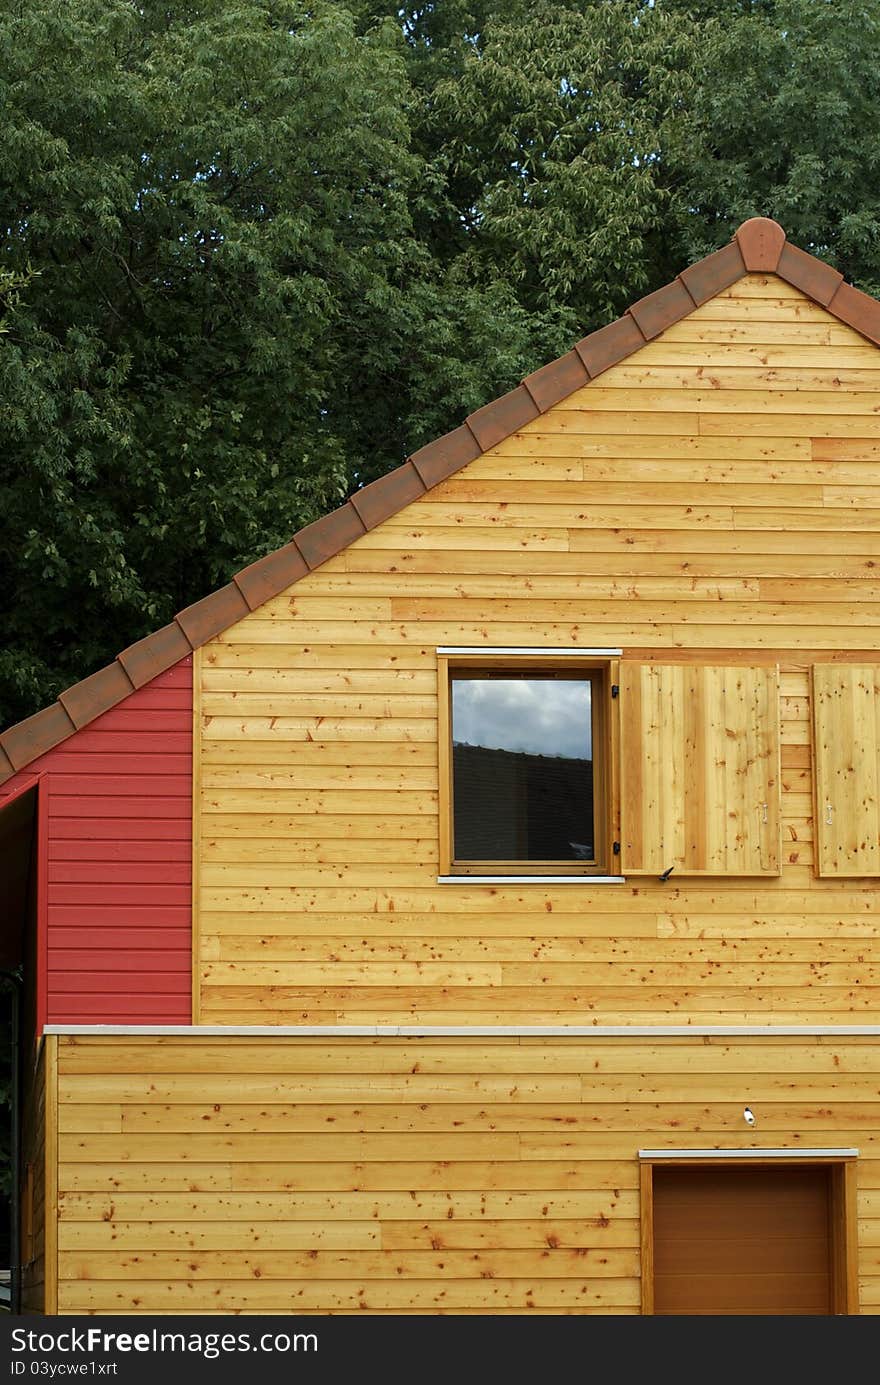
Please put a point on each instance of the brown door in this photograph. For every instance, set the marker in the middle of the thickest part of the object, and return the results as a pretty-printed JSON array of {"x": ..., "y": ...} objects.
[{"x": 736, "y": 1239}]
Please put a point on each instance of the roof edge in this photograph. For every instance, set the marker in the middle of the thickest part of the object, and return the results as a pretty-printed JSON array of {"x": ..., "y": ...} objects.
[{"x": 759, "y": 245}]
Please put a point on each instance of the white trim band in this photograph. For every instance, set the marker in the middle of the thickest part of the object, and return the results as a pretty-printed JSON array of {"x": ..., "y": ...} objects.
[
  {"x": 477, "y": 1031},
  {"x": 531, "y": 879},
  {"x": 845, "y": 1153},
  {"x": 515, "y": 649}
]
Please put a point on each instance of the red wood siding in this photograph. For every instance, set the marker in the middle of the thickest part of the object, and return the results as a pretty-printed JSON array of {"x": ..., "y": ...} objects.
[{"x": 116, "y": 808}]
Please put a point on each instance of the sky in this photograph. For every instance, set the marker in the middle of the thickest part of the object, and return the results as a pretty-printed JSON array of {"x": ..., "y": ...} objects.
[{"x": 542, "y": 716}]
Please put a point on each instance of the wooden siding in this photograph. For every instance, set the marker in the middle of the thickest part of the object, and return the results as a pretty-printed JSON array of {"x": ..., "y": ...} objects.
[
  {"x": 847, "y": 738},
  {"x": 33, "y": 1190},
  {"x": 396, "y": 1175},
  {"x": 117, "y": 862},
  {"x": 701, "y": 772},
  {"x": 714, "y": 499}
]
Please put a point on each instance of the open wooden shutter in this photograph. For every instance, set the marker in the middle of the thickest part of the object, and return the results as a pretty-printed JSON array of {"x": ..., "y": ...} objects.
[
  {"x": 846, "y": 711},
  {"x": 700, "y": 769}
]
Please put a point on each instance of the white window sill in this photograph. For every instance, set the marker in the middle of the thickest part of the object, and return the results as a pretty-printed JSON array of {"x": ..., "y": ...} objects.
[{"x": 531, "y": 879}]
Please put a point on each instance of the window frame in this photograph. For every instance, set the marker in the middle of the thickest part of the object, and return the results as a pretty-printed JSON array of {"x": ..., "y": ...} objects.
[{"x": 601, "y": 667}]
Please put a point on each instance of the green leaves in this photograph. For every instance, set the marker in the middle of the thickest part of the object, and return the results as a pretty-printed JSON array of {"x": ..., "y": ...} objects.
[{"x": 213, "y": 296}]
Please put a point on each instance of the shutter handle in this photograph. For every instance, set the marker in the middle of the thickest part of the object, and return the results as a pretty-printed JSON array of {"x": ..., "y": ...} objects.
[
  {"x": 829, "y": 814},
  {"x": 764, "y": 817}
]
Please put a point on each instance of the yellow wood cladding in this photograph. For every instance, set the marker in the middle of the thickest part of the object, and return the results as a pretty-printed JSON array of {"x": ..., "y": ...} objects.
[
  {"x": 847, "y": 716},
  {"x": 713, "y": 500},
  {"x": 700, "y": 769},
  {"x": 33, "y": 1190},
  {"x": 393, "y": 1175}
]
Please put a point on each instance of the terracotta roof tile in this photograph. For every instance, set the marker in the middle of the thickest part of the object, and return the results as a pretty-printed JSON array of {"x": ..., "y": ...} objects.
[
  {"x": 96, "y": 694},
  {"x": 270, "y": 575},
  {"x": 556, "y": 381},
  {"x": 661, "y": 309},
  {"x": 151, "y": 656},
  {"x": 713, "y": 273},
  {"x": 328, "y": 535},
  {"x": 758, "y": 246},
  {"x": 858, "y": 310},
  {"x": 215, "y": 612},
  {"x": 760, "y": 242},
  {"x": 443, "y": 457},
  {"x": 389, "y": 494},
  {"x": 37, "y": 734},
  {"x": 503, "y": 416},
  {"x": 813, "y": 277},
  {"x": 609, "y": 345}
]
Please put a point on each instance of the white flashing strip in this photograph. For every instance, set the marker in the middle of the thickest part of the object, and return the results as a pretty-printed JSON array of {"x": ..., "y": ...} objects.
[
  {"x": 531, "y": 879},
  {"x": 461, "y": 1031},
  {"x": 516, "y": 649},
  {"x": 845, "y": 1153}
]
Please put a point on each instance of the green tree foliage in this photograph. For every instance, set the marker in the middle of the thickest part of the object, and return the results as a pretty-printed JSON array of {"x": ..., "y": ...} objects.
[
  {"x": 787, "y": 124},
  {"x": 255, "y": 251},
  {"x": 218, "y": 316}
]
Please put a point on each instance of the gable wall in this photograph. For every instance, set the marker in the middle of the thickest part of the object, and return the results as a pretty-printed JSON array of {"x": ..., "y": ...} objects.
[
  {"x": 713, "y": 498},
  {"x": 116, "y": 807}
]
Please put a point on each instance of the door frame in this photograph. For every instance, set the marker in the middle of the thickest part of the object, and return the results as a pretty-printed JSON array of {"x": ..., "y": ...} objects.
[{"x": 844, "y": 1230}]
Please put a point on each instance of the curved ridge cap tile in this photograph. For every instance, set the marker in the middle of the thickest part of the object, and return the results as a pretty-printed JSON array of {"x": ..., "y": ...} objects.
[
  {"x": 268, "y": 576},
  {"x": 812, "y": 276},
  {"x": 99, "y": 692},
  {"x": 608, "y": 345},
  {"x": 215, "y": 612},
  {"x": 154, "y": 654},
  {"x": 557, "y": 380},
  {"x": 445, "y": 455},
  {"x": 496, "y": 421},
  {"x": 715, "y": 272},
  {"x": 660, "y": 309},
  {"x": 760, "y": 241},
  {"x": 859, "y": 310},
  {"x": 32, "y": 737},
  {"x": 328, "y": 535},
  {"x": 388, "y": 495}
]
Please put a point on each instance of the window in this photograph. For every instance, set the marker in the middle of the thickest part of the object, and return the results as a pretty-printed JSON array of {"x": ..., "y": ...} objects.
[{"x": 526, "y": 764}]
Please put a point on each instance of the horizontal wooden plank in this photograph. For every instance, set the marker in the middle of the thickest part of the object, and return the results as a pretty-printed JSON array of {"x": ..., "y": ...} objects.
[
  {"x": 152, "y": 1296},
  {"x": 709, "y": 1120},
  {"x": 595, "y": 1203},
  {"x": 515, "y": 975},
  {"x": 608, "y": 396},
  {"x": 348, "y": 1234}
]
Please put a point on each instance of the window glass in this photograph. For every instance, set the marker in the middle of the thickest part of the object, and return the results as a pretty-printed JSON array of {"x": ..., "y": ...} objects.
[{"x": 522, "y": 768}]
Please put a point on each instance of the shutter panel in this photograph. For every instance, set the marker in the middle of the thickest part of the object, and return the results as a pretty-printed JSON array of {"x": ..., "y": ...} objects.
[
  {"x": 700, "y": 769},
  {"x": 846, "y": 711}
]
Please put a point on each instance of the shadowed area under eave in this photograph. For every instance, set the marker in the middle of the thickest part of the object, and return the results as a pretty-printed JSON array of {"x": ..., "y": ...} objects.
[{"x": 17, "y": 874}]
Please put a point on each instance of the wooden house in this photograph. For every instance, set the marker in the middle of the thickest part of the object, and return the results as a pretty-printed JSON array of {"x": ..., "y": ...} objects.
[{"x": 472, "y": 907}]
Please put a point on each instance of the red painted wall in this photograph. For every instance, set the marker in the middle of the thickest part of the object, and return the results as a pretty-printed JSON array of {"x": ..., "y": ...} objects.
[{"x": 115, "y": 808}]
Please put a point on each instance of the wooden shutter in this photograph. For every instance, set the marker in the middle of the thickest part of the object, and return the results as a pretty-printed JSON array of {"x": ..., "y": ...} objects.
[
  {"x": 846, "y": 711},
  {"x": 700, "y": 769}
]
